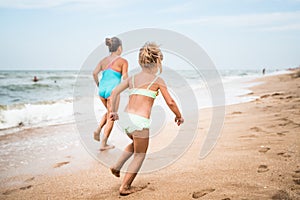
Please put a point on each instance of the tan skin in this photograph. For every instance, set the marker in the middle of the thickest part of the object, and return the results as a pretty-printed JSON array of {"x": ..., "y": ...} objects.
[
  {"x": 120, "y": 64},
  {"x": 139, "y": 105}
]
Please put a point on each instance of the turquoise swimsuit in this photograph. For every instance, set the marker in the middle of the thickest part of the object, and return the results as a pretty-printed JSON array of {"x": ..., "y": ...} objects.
[{"x": 110, "y": 79}]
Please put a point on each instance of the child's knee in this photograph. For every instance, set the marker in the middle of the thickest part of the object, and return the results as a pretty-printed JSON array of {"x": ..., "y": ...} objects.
[{"x": 140, "y": 154}]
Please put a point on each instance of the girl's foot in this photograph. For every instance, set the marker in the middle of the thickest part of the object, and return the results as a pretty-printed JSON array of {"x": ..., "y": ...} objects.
[
  {"x": 124, "y": 191},
  {"x": 97, "y": 136},
  {"x": 115, "y": 172},
  {"x": 106, "y": 147}
]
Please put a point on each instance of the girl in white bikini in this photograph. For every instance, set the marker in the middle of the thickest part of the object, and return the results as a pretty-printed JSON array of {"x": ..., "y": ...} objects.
[{"x": 141, "y": 99}]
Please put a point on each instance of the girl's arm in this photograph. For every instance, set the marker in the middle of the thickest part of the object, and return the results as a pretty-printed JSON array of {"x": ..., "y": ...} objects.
[
  {"x": 125, "y": 70},
  {"x": 120, "y": 88},
  {"x": 170, "y": 101},
  {"x": 96, "y": 72}
]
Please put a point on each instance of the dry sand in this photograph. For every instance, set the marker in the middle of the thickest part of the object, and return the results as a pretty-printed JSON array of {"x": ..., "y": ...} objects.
[{"x": 256, "y": 157}]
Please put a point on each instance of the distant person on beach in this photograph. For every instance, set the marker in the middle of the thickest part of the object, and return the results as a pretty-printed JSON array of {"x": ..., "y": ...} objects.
[
  {"x": 264, "y": 71},
  {"x": 35, "y": 79},
  {"x": 143, "y": 89},
  {"x": 113, "y": 68}
]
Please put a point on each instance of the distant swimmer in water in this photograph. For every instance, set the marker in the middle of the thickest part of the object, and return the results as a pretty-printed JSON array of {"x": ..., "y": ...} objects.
[{"x": 35, "y": 79}]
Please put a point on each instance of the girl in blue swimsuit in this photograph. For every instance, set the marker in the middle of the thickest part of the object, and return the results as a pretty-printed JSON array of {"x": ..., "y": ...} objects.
[
  {"x": 143, "y": 89},
  {"x": 113, "y": 68}
]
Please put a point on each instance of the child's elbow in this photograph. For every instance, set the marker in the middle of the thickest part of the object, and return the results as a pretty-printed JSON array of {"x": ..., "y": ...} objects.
[{"x": 171, "y": 103}]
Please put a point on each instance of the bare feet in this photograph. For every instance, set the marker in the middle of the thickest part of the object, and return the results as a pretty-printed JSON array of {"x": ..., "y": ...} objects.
[
  {"x": 97, "y": 136},
  {"x": 115, "y": 172},
  {"x": 124, "y": 191},
  {"x": 106, "y": 147}
]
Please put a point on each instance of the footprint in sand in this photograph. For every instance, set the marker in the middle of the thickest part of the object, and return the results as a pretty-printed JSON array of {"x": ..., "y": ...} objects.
[
  {"x": 29, "y": 179},
  {"x": 60, "y": 164},
  {"x": 256, "y": 129},
  {"x": 277, "y": 94},
  {"x": 281, "y": 194},
  {"x": 297, "y": 174},
  {"x": 297, "y": 181},
  {"x": 283, "y": 124},
  {"x": 264, "y": 96},
  {"x": 264, "y": 149},
  {"x": 287, "y": 121},
  {"x": 282, "y": 133},
  {"x": 262, "y": 168},
  {"x": 202, "y": 193},
  {"x": 149, "y": 187},
  {"x": 284, "y": 154},
  {"x": 25, "y": 187},
  {"x": 236, "y": 113},
  {"x": 7, "y": 192},
  {"x": 297, "y": 177},
  {"x": 132, "y": 189},
  {"x": 15, "y": 190},
  {"x": 248, "y": 136}
]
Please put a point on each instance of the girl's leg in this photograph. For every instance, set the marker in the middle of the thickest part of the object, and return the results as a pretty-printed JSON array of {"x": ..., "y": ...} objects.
[
  {"x": 98, "y": 130},
  {"x": 108, "y": 127},
  {"x": 103, "y": 121},
  {"x": 128, "y": 151},
  {"x": 140, "y": 146}
]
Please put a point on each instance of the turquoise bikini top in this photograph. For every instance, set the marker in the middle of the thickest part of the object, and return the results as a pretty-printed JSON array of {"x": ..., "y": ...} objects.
[{"x": 144, "y": 92}]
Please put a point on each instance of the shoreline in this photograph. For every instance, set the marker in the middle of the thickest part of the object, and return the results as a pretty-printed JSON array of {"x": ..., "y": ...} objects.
[
  {"x": 40, "y": 112},
  {"x": 257, "y": 157}
]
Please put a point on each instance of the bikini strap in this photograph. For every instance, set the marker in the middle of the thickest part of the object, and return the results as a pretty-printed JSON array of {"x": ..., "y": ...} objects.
[
  {"x": 112, "y": 62},
  {"x": 152, "y": 82},
  {"x": 132, "y": 81}
]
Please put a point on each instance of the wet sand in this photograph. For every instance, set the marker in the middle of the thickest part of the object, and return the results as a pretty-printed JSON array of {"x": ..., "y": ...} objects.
[{"x": 256, "y": 157}]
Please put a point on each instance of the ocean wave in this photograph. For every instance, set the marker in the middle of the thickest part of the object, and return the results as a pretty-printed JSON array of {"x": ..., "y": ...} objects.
[
  {"x": 26, "y": 87},
  {"x": 22, "y": 105},
  {"x": 243, "y": 74},
  {"x": 41, "y": 113},
  {"x": 62, "y": 77},
  {"x": 4, "y": 74}
]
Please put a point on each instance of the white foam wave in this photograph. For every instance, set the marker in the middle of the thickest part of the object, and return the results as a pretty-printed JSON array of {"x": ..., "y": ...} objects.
[{"x": 39, "y": 114}]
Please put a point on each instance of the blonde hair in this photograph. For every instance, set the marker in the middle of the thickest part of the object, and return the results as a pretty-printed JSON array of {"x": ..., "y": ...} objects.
[
  {"x": 150, "y": 55},
  {"x": 113, "y": 43}
]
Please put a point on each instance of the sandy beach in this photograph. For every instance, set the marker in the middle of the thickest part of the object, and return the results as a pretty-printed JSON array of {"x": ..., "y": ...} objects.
[{"x": 257, "y": 157}]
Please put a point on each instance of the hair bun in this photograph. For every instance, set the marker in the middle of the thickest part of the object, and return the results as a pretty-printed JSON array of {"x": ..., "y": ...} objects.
[
  {"x": 108, "y": 42},
  {"x": 113, "y": 43}
]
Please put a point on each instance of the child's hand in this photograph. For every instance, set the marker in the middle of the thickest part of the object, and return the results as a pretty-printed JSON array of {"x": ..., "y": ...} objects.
[
  {"x": 114, "y": 116},
  {"x": 179, "y": 120}
]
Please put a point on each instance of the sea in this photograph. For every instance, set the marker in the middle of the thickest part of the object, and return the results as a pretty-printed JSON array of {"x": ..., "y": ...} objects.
[{"x": 49, "y": 101}]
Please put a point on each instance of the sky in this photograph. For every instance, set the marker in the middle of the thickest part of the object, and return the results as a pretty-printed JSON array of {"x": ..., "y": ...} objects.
[{"x": 60, "y": 34}]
